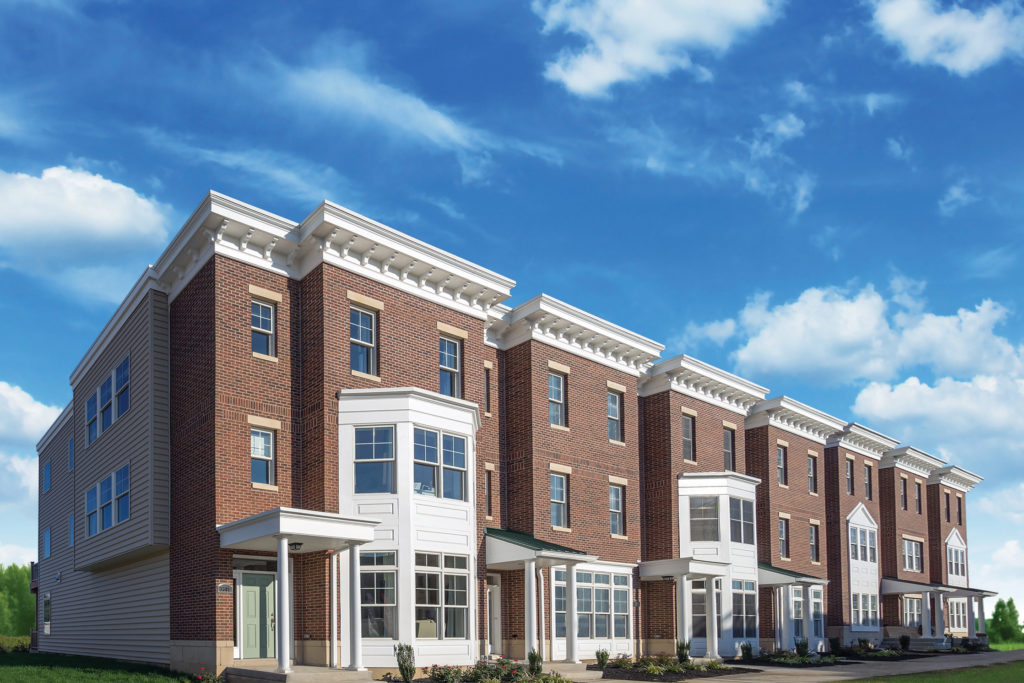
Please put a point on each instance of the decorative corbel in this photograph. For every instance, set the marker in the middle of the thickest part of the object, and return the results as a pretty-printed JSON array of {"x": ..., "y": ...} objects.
[
  {"x": 406, "y": 269},
  {"x": 348, "y": 246},
  {"x": 269, "y": 249},
  {"x": 244, "y": 242},
  {"x": 385, "y": 265},
  {"x": 221, "y": 229},
  {"x": 364, "y": 258}
]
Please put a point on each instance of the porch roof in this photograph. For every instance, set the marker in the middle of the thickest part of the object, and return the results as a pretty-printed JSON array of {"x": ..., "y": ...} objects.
[
  {"x": 770, "y": 575},
  {"x": 315, "y": 530},
  {"x": 652, "y": 570},
  {"x": 963, "y": 592},
  {"x": 891, "y": 586},
  {"x": 508, "y": 549}
]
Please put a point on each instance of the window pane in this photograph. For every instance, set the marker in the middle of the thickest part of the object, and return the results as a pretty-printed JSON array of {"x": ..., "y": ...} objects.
[
  {"x": 621, "y": 626},
  {"x": 454, "y": 484},
  {"x": 425, "y": 445},
  {"x": 359, "y": 358},
  {"x": 554, "y": 387},
  {"x": 261, "y": 342},
  {"x": 260, "y": 471},
  {"x": 424, "y": 479},
  {"x": 123, "y": 507},
  {"x": 373, "y": 477},
  {"x": 454, "y": 451},
  {"x": 105, "y": 491}
]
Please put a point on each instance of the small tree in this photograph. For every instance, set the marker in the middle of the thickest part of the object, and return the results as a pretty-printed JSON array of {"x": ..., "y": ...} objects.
[
  {"x": 406, "y": 658},
  {"x": 1013, "y": 630},
  {"x": 535, "y": 662}
]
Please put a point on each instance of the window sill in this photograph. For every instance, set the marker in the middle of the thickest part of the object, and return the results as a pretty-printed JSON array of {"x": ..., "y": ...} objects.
[
  {"x": 489, "y": 517},
  {"x": 365, "y": 375},
  {"x": 620, "y": 537},
  {"x": 689, "y": 462},
  {"x": 813, "y": 493},
  {"x": 783, "y": 486},
  {"x": 816, "y": 564},
  {"x": 617, "y": 443},
  {"x": 786, "y": 559},
  {"x": 264, "y": 487},
  {"x": 488, "y": 415},
  {"x": 560, "y": 428},
  {"x": 563, "y": 529},
  {"x": 263, "y": 356}
]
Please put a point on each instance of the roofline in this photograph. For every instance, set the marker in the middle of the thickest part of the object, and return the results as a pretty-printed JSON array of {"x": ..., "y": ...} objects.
[
  {"x": 683, "y": 360},
  {"x": 57, "y": 425}
]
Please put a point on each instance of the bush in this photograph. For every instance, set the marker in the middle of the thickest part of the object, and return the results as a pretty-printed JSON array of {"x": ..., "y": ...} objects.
[
  {"x": 14, "y": 644},
  {"x": 834, "y": 645},
  {"x": 535, "y": 662},
  {"x": 683, "y": 651},
  {"x": 653, "y": 670},
  {"x": 445, "y": 674},
  {"x": 714, "y": 665},
  {"x": 747, "y": 652},
  {"x": 406, "y": 658},
  {"x": 904, "y": 642},
  {"x": 864, "y": 643},
  {"x": 802, "y": 647},
  {"x": 602, "y": 659},
  {"x": 621, "y": 662}
]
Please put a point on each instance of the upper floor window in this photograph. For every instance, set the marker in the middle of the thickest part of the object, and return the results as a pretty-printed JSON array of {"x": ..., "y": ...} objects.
[
  {"x": 729, "y": 448},
  {"x": 688, "y": 450},
  {"x": 108, "y": 502},
  {"x": 956, "y": 561},
  {"x": 947, "y": 505},
  {"x": 616, "y": 496},
  {"x": 556, "y": 399},
  {"x": 783, "y": 537},
  {"x": 849, "y": 476},
  {"x": 863, "y": 544},
  {"x": 109, "y": 402},
  {"x": 815, "y": 548},
  {"x": 263, "y": 328},
  {"x": 912, "y": 555},
  {"x": 812, "y": 474},
  {"x": 741, "y": 520},
  {"x": 71, "y": 530},
  {"x": 377, "y": 572},
  {"x": 46, "y": 477},
  {"x": 487, "y": 390},
  {"x": 375, "y": 460},
  {"x": 362, "y": 333},
  {"x": 703, "y": 518},
  {"x": 867, "y": 482},
  {"x": 781, "y": 465},
  {"x": 917, "y": 496},
  {"x": 442, "y": 596},
  {"x": 71, "y": 454},
  {"x": 559, "y": 500},
  {"x": 959, "y": 511},
  {"x": 615, "y": 416},
  {"x": 261, "y": 456},
  {"x": 46, "y": 542},
  {"x": 903, "y": 493},
  {"x": 439, "y": 473},
  {"x": 488, "y": 493},
  {"x": 451, "y": 367}
]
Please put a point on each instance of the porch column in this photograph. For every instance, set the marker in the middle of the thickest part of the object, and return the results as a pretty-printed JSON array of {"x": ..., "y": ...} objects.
[
  {"x": 284, "y": 646},
  {"x": 682, "y": 609},
  {"x": 572, "y": 645},
  {"x": 530, "y": 598},
  {"x": 355, "y": 612},
  {"x": 940, "y": 617},
  {"x": 777, "y": 613},
  {"x": 972, "y": 632},
  {"x": 712, "y": 611},
  {"x": 808, "y": 618},
  {"x": 926, "y": 615},
  {"x": 981, "y": 615},
  {"x": 787, "y": 619},
  {"x": 333, "y": 659}
]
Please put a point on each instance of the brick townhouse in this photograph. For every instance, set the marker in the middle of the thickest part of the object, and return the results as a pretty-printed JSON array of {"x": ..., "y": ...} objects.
[{"x": 305, "y": 442}]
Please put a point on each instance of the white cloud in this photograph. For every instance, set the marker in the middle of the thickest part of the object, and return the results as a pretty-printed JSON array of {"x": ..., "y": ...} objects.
[
  {"x": 1002, "y": 571},
  {"x": 16, "y": 554},
  {"x": 798, "y": 92},
  {"x": 877, "y": 101},
  {"x": 990, "y": 264},
  {"x": 802, "y": 191},
  {"x": 898, "y": 149},
  {"x": 1007, "y": 504},
  {"x": 716, "y": 331},
  {"x": 631, "y": 40},
  {"x": 957, "y": 196},
  {"x": 22, "y": 418},
  {"x": 445, "y": 206},
  {"x": 22, "y": 476},
  {"x": 959, "y": 39}
]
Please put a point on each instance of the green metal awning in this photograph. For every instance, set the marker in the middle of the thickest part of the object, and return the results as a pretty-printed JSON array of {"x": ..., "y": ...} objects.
[
  {"x": 508, "y": 549},
  {"x": 770, "y": 575}
]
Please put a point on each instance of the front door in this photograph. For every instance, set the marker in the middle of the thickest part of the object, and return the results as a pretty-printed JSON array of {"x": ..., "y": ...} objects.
[
  {"x": 494, "y": 619},
  {"x": 258, "y": 608}
]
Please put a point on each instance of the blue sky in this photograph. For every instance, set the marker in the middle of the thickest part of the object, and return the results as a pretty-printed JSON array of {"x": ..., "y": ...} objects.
[{"x": 824, "y": 197}]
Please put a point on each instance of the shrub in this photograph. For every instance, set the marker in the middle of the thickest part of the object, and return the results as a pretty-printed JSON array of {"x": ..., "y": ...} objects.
[
  {"x": 904, "y": 642},
  {"x": 621, "y": 662},
  {"x": 14, "y": 643},
  {"x": 535, "y": 662},
  {"x": 864, "y": 643},
  {"x": 834, "y": 645},
  {"x": 445, "y": 674},
  {"x": 406, "y": 658},
  {"x": 602, "y": 659},
  {"x": 714, "y": 665},
  {"x": 802, "y": 647},
  {"x": 683, "y": 651},
  {"x": 653, "y": 670},
  {"x": 747, "y": 651}
]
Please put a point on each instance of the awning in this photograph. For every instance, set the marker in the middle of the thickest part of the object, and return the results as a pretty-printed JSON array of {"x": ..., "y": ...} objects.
[
  {"x": 769, "y": 575},
  {"x": 315, "y": 530},
  {"x": 961, "y": 592},
  {"x": 507, "y": 549},
  {"x": 892, "y": 586},
  {"x": 680, "y": 566}
]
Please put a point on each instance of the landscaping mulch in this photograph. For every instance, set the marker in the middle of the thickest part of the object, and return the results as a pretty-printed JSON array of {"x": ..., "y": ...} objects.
[
  {"x": 803, "y": 665},
  {"x": 670, "y": 676},
  {"x": 899, "y": 658}
]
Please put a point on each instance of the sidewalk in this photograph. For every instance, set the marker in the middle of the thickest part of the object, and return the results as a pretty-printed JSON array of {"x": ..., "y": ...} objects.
[{"x": 868, "y": 669}]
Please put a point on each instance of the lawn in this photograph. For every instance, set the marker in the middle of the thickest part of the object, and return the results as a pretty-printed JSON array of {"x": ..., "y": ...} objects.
[
  {"x": 1012, "y": 672},
  {"x": 16, "y": 667},
  {"x": 1006, "y": 646}
]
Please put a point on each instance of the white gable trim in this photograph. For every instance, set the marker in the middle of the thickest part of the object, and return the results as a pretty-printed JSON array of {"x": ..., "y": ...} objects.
[
  {"x": 955, "y": 540},
  {"x": 860, "y": 516}
]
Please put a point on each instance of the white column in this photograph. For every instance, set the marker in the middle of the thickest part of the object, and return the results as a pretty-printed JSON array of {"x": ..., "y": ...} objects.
[
  {"x": 572, "y": 641},
  {"x": 333, "y": 580},
  {"x": 926, "y": 615},
  {"x": 682, "y": 609},
  {"x": 971, "y": 631},
  {"x": 808, "y": 619},
  {"x": 940, "y": 617},
  {"x": 530, "y": 600},
  {"x": 777, "y": 613},
  {"x": 355, "y": 610},
  {"x": 284, "y": 646},
  {"x": 687, "y": 609},
  {"x": 543, "y": 615},
  {"x": 787, "y": 619},
  {"x": 712, "y": 611},
  {"x": 981, "y": 616}
]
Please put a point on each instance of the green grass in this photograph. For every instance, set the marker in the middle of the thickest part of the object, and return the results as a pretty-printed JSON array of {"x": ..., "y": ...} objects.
[
  {"x": 1006, "y": 646},
  {"x": 16, "y": 667},
  {"x": 1012, "y": 672}
]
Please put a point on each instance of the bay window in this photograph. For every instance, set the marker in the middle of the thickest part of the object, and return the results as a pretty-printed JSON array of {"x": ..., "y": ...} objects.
[
  {"x": 378, "y": 595},
  {"x": 375, "y": 459},
  {"x": 703, "y": 518}
]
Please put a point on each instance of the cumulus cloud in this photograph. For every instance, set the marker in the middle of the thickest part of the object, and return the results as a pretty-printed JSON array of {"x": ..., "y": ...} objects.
[
  {"x": 956, "y": 38},
  {"x": 1007, "y": 503},
  {"x": 16, "y": 554},
  {"x": 631, "y": 40},
  {"x": 957, "y": 196},
  {"x": 1001, "y": 571},
  {"x": 23, "y": 419},
  {"x": 991, "y": 263},
  {"x": 877, "y": 101},
  {"x": 898, "y": 149},
  {"x": 798, "y": 92}
]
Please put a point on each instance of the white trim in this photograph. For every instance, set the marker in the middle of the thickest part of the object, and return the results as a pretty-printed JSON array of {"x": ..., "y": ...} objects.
[
  {"x": 911, "y": 460},
  {"x": 702, "y": 381},
  {"x": 794, "y": 417},
  {"x": 57, "y": 425},
  {"x": 867, "y": 442}
]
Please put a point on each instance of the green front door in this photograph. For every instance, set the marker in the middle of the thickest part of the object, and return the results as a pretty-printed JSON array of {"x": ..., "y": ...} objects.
[{"x": 258, "y": 634}]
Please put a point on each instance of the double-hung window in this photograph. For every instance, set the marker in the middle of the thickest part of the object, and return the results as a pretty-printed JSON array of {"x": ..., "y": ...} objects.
[
  {"x": 556, "y": 399},
  {"x": 91, "y": 423},
  {"x": 815, "y": 547},
  {"x": 442, "y": 595},
  {"x": 818, "y": 612},
  {"x": 863, "y": 544},
  {"x": 849, "y": 476},
  {"x": 46, "y": 477},
  {"x": 744, "y": 610},
  {"x": 959, "y": 511},
  {"x": 703, "y": 518},
  {"x": 559, "y": 500},
  {"x": 602, "y": 602},
  {"x": 911, "y": 611},
  {"x": 911, "y": 555},
  {"x": 451, "y": 367},
  {"x": 947, "y": 506},
  {"x": 453, "y": 467},
  {"x": 263, "y": 327},
  {"x": 812, "y": 474},
  {"x": 109, "y": 402},
  {"x": 615, "y": 416},
  {"x": 616, "y": 496},
  {"x": 741, "y": 520},
  {"x": 783, "y": 537},
  {"x": 917, "y": 496},
  {"x": 781, "y": 465},
  {"x": 729, "y": 448},
  {"x": 864, "y": 609},
  {"x": 868, "y": 489},
  {"x": 798, "y": 612},
  {"x": 108, "y": 502},
  {"x": 689, "y": 453},
  {"x": 378, "y": 595},
  {"x": 362, "y": 347},
  {"x": 123, "y": 393},
  {"x": 439, "y": 474},
  {"x": 375, "y": 460},
  {"x": 261, "y": 456},
  {"x": 903, "y": 493},
  {"x": 956, "y": 561}
]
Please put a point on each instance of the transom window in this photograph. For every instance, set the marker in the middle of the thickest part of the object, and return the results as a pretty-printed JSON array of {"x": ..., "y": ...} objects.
[
  {"x": 451, "y": 367},
  {"x": 602, "y": 604},
  {"x": 439, "y": 474},
  {"x": 688, "y": 450},
  {"x": 556, "y": 399},
  {"x": 616, "y": 496},
  {"x": 781, "y": 465},
  {"x": 442, "y": 596},
  {"x": 559, "y": 500},
  {"x": 741, "y": 520},
  {"x": 108, "y": 502},
  {"x": 703, "y": 518},
  {"x": 729, "y": 448},
  {"x": 109, "y": 402},
  {"x": 911, "y": 555},
  {"x": 956, "y": 561},
  {"x": 863, "y": 544},
  {"x": 263, "y": 328},
  {"x": 615, "y": 416},
  {"x": 261, "y": 456},
  {"x": 362, "y": 333},
  {"x": 744, "y": 609},
  {"x": 375, "y": 460},
  {"x": 378, "y": 595}
]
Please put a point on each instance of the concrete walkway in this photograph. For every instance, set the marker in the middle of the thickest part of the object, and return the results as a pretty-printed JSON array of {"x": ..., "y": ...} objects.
[{"x": 849, "y": 672}]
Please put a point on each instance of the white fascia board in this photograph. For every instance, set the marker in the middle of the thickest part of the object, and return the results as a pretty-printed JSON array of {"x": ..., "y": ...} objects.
[
  {"x": 912, "y": 460},
  {"x": 702, "y": 381},
  {"x": 794, "y": 417},
  {"x": 861, "y": 510},
  {"x": 955, "y": 477},
  {"x": 57, "y": 425},
  {"x": 955, "y": 540},
  {"x": 355, "y": 402},
  {"x": 860, "y": 439}
]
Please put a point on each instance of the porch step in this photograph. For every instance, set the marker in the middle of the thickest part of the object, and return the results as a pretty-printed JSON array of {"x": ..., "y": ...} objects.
[
  {"x": 574, "y": 672},
  {"x": 299, "y": 674}
]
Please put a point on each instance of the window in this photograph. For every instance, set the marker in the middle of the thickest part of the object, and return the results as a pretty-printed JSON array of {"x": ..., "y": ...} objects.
[
  {"x": 959, "y": 511},
  {"x": 956, "y": 561},
  {"x": 262, "y": 328},
  {"x": 867, "y": 482},
  {"x": 602, "y": 602},
  {"x": 903, "y": 493},
  {"x": 911, "y": 611},
  {"x": 863, "y": 544},
  {"x": 688, "y": 450},
  {"x": 729, "y": 448},
  {"x": 439, "y": 474},
  {"x": 815, "y": 549},
  {"x": 47, "y": 613},
  {"x": 798, "y": 612},
  {"x": 377, "y": 594},
  {"x": 108, "y": 502},
  {"x": 781, "y": 465},
  {"x": 109, "y": 402},
  {"x": 744, "y": 610},
  {"x": 703, "y": 518},
  {"x": 559, "y": 500},
  {"x": 615, "y": 416},
  {"x": 442, "y": 596},
  {"x": 451, "y": 367},
  {"x": 818, "y": 613},
  {"x": 46, "y": 542},
  {"x": 487, "y": 390},
  {"x": 71, "y": 530},
  {"x": 783, "y": 538},
  {"x": 957, "y": 615},
  {"x": 864, "y": 609},
  {"x": 911, "y": 555},
  {"x": 699, "y": 624},
  {"x": 375, "y": 459},
  {"x": 261, "y": 456},
  {"x": 46, "y": 477},
  {"x": 616, "y": 495},
  {"x": 849, "y": 476},
  {"x": 362, "y": 338},
  {"x": 556, "y": 399},
  {"x": 947, "y": 505},
  {"x": 741, "y": 520},
  {"x": 71, "y": 455},
  {"x": 917, "y": 496},
  {"x": 488, "y": 497},
  {"x": 812, "y": 474}
]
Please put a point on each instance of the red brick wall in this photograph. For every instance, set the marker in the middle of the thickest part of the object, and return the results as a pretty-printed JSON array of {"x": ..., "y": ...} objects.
[
  {"x": 897, "y": 521},
  {"x": 939, "y": 529}
]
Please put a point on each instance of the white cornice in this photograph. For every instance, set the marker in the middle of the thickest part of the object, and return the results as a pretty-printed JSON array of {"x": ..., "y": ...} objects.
[
  {"x": 57, "y": 425},
  {"x": 794, "y": 417},
  {"x": 546, "y": 319},
  {"x": 695, "y": 378},
  {"x": 912, "y": 460},
  {"x": 955, "y": 478},
  {"x": 860, "y": 439}
]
